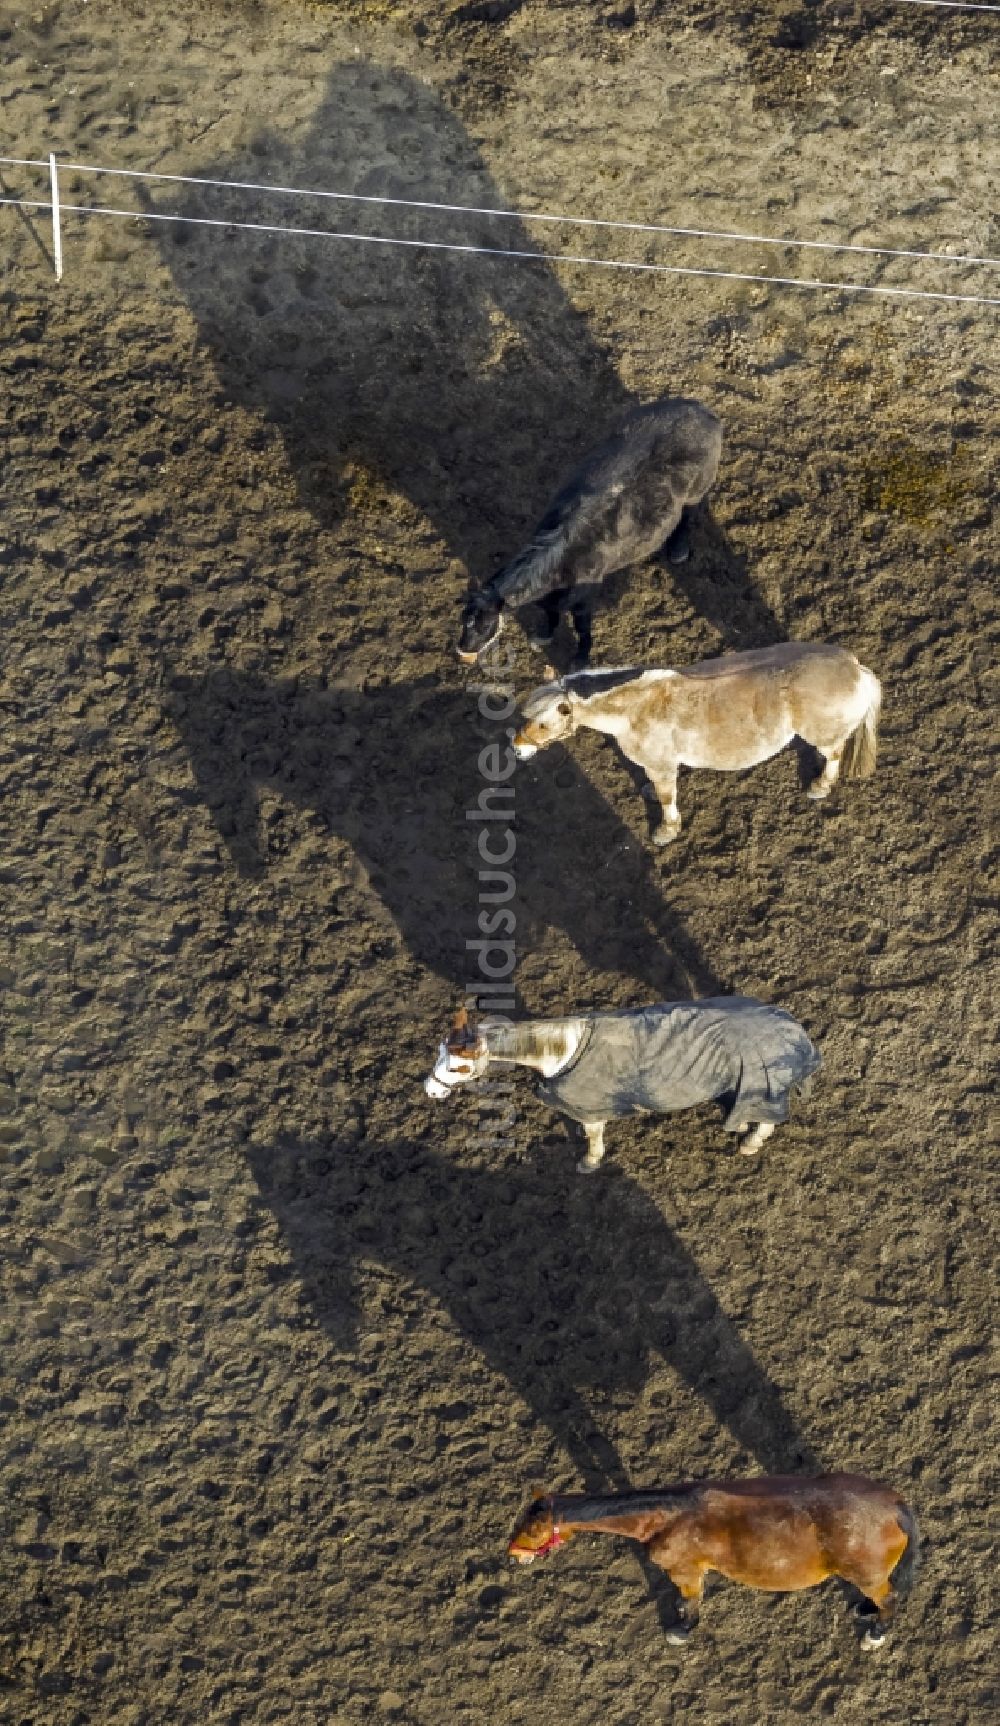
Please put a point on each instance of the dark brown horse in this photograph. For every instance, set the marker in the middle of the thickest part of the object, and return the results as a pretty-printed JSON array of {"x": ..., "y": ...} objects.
[
  {"x": 777, "y": 1532},
  {"x": 631, "y": 497}
]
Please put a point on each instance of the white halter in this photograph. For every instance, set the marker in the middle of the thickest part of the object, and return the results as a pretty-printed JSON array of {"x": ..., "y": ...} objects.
[{"x": 445, "y": 1077}]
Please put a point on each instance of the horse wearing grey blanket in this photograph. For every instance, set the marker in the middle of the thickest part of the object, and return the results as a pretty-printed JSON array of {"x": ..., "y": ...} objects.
[{"x": 646, "y": 1060}]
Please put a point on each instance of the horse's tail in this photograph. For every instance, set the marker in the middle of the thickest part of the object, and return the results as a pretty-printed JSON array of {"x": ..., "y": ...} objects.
[
  {"x": 905, "y": 1568},
  {"x": 857, "y": 759}
]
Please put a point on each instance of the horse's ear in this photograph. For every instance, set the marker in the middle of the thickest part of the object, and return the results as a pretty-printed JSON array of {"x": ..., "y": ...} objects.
[
  {"x": 538, "y": 1493},
  {"x": 462, "y": 1028}
]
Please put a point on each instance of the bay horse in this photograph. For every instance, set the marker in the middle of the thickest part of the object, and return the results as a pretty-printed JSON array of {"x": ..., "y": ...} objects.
[
  {"x": 726, "y": 713},
  {"x": 645, "y": 1060},
  {"x": 628, "y": 499},
  {"x": 778, "y": 1532}
]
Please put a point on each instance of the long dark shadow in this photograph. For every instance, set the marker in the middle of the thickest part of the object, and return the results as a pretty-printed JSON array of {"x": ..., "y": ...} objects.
[
  {"x": 394, "y": 771},
  {"x": 470, "y": 385},
  {"x": 562, "y": 1285}
]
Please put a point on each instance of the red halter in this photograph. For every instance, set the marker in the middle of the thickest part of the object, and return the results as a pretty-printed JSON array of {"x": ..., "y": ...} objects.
[{"x": 555, "y": 1539}]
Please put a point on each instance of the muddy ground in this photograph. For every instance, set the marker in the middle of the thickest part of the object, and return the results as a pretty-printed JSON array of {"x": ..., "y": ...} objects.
[{"x": 282, "y": 1348}]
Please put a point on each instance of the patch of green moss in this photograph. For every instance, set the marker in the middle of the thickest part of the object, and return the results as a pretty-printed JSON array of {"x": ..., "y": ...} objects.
[{"x": 916, "y": 484}]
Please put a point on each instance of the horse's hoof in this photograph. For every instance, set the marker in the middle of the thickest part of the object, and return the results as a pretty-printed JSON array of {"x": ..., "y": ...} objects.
[
  {"x": 586, "y": 1167},
  {"x": 747, "y": 1149},
  {"x": 874, "y": 1638},
  {"x": 817, "y": 791},
  {"x": 665, "y": 835},
  {"x": 678, "y": 546},
  {"x": 678, "y": 1635}
]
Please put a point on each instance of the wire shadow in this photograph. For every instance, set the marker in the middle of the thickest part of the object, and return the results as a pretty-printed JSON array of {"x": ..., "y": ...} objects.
[
  {"x": 560, "y": 1291},
  {"x": 394, "y": 771},
  {"x": 31, "y": 221},
  {"x": 472, "y": 386}
]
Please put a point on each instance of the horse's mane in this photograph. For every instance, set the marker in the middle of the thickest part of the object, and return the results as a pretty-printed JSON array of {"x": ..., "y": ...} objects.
[
  {"x": 530, "y": 1036},
  {"x": 588, "y": 683},
  {"x": 583, "y": 1508},
  {"x": 584, "y": 684}
]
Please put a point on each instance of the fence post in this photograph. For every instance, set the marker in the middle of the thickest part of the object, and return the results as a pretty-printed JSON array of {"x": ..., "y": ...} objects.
[{"x": 56, "y": 226}]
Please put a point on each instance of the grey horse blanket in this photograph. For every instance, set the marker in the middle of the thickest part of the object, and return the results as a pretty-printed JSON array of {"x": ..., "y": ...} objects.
[{"x": 681, "y": 1053}]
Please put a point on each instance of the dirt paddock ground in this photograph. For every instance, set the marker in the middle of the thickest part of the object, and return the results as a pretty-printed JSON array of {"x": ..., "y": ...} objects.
[{"x": 283, "y": 1347}]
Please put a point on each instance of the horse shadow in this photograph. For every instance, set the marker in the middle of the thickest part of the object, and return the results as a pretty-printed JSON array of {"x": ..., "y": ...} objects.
[
  {"x": 471, "y": 386},
  {"x": 716, "y": 582},
  {"x": 394, "y": 770},
  {"x": 559, "y": 1294}
]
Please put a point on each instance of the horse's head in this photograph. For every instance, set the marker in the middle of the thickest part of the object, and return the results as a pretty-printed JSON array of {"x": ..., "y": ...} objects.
[
  {"x": 461, "y": 1057},
  {"x": 482, "y": 618},
  {"x": 536, "y": 1531},
  {"x": 547, "y": 715}
]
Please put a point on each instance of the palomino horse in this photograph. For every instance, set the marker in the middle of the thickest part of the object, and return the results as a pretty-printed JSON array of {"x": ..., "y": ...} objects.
[
  {"x": 726, "y": 713},
  {"x": 649, "y": 1060},
  {"x": 624, "y": 503},
  {"x": 779, "y": 1532}
]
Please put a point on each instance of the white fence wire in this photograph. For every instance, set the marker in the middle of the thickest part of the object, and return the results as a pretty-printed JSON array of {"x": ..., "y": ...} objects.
[
  {"x": 58, "y": 208},
  {"x": 513, "y": 215},
  {"x": 951, "y": 5}
]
